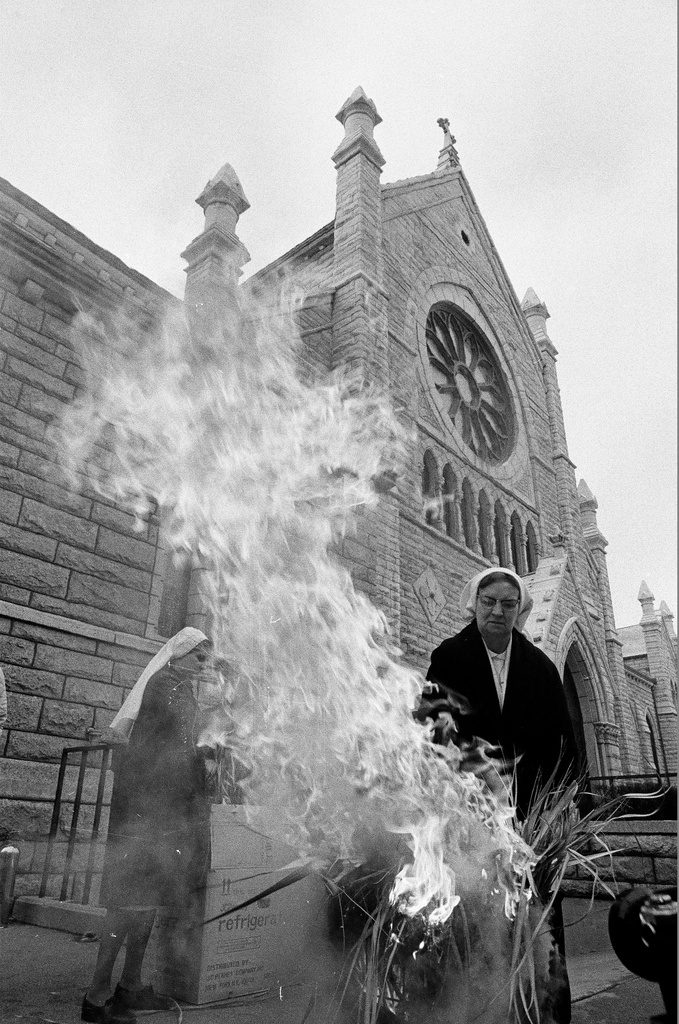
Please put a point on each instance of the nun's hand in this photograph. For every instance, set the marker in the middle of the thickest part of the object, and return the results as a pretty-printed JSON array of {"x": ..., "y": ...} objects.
[{"x": 112, "y": 737}]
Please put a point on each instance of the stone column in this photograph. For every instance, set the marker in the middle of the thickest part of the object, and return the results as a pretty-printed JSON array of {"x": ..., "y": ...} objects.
[
  {"x": 215, "y": 258},
  {"x": 359, "y": 314},
  {"x": 536, "y": 314},
  {"x": 597, "y": 544},
  {"x": 519, "y": 549},
  {"x": 659, "y": 656},
  {"x": 608, "y": 743},
  {"x": 359, "y": 323}
]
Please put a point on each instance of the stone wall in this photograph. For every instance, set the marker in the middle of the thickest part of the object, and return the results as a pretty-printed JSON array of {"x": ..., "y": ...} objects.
[
  {"x": 644, "y": 852},
  {"x": 79, "y": 578},
  {"x": 26, "y": 808}
]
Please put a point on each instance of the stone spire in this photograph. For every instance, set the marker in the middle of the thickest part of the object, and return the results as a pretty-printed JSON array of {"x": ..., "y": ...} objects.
[
  {"x": 537, "y": 315},
  {"x": 215, "y": 257},
  {"x": 585, "y": 495},
  {"x": 358, "y": 115},
  {"x": 646, "y": 599},
  {"x": 223, "y": 200},
  {"x": 668, "y": 618},
  {"x": 448, "y": 158},
  {"x": 588, "y": 509}
]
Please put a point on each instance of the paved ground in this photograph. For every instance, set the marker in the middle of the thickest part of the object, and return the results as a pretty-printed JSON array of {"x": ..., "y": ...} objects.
[
  {"x": 604, "y": 992},
  {"x": 43, "y": 973}
]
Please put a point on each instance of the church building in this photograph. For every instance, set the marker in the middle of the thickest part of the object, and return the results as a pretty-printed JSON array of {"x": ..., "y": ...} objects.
[{"x": 405, "y": 287}]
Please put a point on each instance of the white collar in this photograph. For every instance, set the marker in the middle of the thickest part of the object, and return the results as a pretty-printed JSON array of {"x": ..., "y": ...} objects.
[{"x": 499, "y": 655}]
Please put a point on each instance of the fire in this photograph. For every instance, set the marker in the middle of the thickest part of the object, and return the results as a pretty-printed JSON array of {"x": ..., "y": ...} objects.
[
  {"x": 260, "y": 476},
  {"x": 412, "y": 890}
]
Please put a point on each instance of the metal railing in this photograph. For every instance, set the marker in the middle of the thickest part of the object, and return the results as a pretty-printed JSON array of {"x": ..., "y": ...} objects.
[
  {"x": 84, "y": 752},
  {"x": 652, "y": 794},
  {"x": 600, "y": 789},
  {"x": 648, "y": 783}
]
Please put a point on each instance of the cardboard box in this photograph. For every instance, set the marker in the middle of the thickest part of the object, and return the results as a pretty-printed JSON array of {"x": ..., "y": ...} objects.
[{"x": 268, "y": 944}]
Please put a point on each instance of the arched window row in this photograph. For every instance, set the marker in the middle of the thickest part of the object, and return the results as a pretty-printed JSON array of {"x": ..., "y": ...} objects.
[{"x": 452, "y": 505}]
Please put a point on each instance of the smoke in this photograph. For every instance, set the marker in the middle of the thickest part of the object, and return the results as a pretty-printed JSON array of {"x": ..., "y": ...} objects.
[{"x": 259, "y": 476}]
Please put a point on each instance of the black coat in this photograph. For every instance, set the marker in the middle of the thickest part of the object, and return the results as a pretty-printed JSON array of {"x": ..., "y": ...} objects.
[
  {"x": 158, "y": 835},
  {"x": 534, "y": 720}
]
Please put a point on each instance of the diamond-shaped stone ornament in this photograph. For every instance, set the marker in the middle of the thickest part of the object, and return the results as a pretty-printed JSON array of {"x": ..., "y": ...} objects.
[{"x": 429, "y": 594}]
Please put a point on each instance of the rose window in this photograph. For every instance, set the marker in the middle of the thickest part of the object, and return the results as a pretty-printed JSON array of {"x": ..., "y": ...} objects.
[{"x": 470, "y": 383}]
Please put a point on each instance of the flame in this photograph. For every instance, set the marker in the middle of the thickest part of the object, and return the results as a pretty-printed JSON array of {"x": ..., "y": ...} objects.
[
  {"x": 428, "y": 874},
  {"x": 261, "y": 476}
]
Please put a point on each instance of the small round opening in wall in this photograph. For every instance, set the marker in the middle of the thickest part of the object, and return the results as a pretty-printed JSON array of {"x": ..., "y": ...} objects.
[{"x": 465, "y": 237}]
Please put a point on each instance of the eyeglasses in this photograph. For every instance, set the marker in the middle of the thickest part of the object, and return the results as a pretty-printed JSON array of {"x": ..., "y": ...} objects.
[{"x": 490, "y": 602}]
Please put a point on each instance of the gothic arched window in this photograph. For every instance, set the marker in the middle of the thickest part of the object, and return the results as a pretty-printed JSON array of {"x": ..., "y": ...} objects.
[
  {"x": 532, "y": 554},
  {"x": 467, "y": 511},
  {"x": 517, "y": 541},
  {"x": 431, "y": 490},
  {"x": 451, "y": 512},
  {"x": 500, "y": 531},
  {"x": 485, "y": 526}
]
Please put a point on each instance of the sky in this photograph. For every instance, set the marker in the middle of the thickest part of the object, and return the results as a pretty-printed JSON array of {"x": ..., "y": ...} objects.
[{"x": 115, "y": 114}]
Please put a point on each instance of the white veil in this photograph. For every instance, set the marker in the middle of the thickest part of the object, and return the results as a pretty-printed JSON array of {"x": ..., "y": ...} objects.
[{"x": 176, "y": 647}]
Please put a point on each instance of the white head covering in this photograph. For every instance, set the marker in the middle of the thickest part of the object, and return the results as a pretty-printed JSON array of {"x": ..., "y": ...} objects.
[
  {"x": 176, "y": 647},
  {"x": 471, "y": 589}
]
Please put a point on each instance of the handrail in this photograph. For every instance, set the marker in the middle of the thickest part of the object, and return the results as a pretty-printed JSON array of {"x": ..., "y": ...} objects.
[
  {"x": 95, "y": 824},
  {"x": 85, "y": 752},
  {"x": 650, "y": 778},
  {"x": 652, "y": 794}
]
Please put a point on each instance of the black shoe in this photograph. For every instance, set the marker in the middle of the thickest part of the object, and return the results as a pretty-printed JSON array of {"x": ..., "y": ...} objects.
[
  {"x": 109, "y": 1013},
  {"x": 145, "y": 1000}
]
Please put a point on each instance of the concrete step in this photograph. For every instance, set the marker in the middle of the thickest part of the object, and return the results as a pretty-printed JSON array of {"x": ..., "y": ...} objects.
[
  {"x": 59, "y": 914},
  {"x": 586, "y": 923}
]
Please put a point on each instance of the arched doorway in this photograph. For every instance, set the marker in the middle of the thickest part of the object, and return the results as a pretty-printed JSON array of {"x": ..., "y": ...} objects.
[
  {"x": 575, "y": 715},
  {"x": 587, "y": 693}
]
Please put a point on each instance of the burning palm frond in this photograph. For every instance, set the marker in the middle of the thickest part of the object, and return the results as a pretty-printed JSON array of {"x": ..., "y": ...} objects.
[
  {"x": 562, "y": 838},
  {"x": 404, "y": 965}
]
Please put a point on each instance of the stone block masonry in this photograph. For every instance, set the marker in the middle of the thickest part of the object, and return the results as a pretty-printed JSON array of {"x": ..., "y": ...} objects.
[
  {"x": 57, "y": 679},
  {"x": 76, "y": 571},
  {"x": 643, "y": 852},
  {"x": 65, "y": 681}
]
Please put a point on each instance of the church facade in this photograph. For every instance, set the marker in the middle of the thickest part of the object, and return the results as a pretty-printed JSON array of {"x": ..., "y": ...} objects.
[{"x": 403, "y": 287}]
